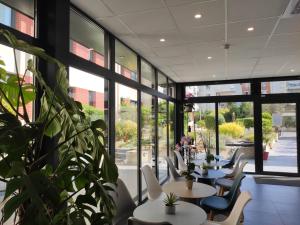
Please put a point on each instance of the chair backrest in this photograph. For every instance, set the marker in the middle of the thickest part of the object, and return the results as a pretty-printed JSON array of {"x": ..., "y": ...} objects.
[
  {"x": 240, "y": 169},
  {"x": 135, "y": 221},
  {"x": 125, "y": 204},
  {"x": 153, "y": 187},
  {"x": 181, "y": 164},
  {"x": 236, "y": 212},
  {"x": 237, "y": 165},
  {"x": 174, "y": 174},
  {"x": 232, "y": 159},
  {"x": 231, "y": 196}
]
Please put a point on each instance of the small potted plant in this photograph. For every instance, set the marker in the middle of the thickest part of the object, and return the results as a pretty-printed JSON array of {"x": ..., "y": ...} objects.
[
  {"x": 204, "y": 169},
  {"x": 188, "y": 175},
  {"x": 209, "y": 157},
  {"x": 170, "y": 206}
]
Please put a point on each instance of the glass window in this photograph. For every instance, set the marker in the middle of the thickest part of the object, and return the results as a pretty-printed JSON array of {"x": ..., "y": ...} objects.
[
  {"x": 18, "y": 15},
  {"x": 126, "y": 136},
  {"x": 91, "y": 93},
  {"x": 236, "y": 130},
  {"x": 218, "y": 90},
  {"x": 280, "y": 87},
  {"x": 126, "y": 61},
  {"x": 147, "y": 74},
  {"x": 172, "y": 89},
  {"x": 171, "y": 128},
  {"x": 162, "y": 83},
  {"x": 147, "y": 134},
  {"x": 162, "y": 139},
  {"x": 7, "y": 55},
  {"x": 86, "y": 39},
  {"x": 202, "y": 126}
]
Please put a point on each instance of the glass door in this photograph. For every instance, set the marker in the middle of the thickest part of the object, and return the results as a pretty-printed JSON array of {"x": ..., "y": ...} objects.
[{"x": 279, "y": 136}]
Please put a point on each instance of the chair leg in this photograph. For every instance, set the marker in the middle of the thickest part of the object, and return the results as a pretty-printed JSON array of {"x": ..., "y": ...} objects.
[
  {"x": 220, "y": 191},
  {"x": 211, "y": 215}
]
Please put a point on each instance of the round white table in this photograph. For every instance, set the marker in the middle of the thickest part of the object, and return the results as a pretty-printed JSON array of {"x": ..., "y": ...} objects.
[
  {"x": 186, "y": 213},
  {"x": 199, "y": 190}
]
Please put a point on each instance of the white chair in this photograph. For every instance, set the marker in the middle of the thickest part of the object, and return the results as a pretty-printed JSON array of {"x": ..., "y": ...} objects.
[
  {"x": 153, "y": 187},
  {"x": 236, "y": 213},
  {"x": 175, "y": 176},
  {"x": 124, "y": 203},
  {"x": 230, "y": 173},
  {"x": 181, "y": 164}
]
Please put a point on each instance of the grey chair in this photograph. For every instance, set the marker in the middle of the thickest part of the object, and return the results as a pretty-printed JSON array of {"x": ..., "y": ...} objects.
[
  {"x": 135, "y": 221},
  {"x": 125, "y": 204},
  {"x": 173, "y": 172}
]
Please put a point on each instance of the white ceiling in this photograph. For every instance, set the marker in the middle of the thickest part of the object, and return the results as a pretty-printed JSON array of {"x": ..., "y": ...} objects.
[{"x": 272, "y": 49}]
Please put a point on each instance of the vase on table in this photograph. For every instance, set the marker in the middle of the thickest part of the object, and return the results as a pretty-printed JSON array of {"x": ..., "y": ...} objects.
[
  {"x": 170, "y": 209},
  {"x": 189, "y": 184}
]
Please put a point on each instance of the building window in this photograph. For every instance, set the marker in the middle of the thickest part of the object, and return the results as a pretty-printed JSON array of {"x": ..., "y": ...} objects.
[
  {"x": 126, "y": 61},
  {"x": 162, "y": 83},
  {"x": 92, "y": 98},
  {"x": 86, "y": 39},
  {"x": 18, "y": 15},
  {"x": 218, "y": 90},
  {"x": 147, "y": 74},
  {"x": 280, "y": 87}
]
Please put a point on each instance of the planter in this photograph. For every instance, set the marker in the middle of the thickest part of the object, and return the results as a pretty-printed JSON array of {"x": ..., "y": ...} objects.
[
  {"x": 170, "y": 210},
  {"x": 189, "y": 184},
  {"x": 265, "y": 155},
  {"x": 204, "y": 172}
]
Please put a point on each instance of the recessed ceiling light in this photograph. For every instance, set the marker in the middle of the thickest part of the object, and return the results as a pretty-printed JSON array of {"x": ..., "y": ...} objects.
[
  {"x": 209, "y": 57},
  {"x": 214, "y": 75},
  {"x": 162, "y": 40},
  {"x": 250, "y": 29},
  {"x": 198, "y": 16},
  {"x": 292, "y": 70}
]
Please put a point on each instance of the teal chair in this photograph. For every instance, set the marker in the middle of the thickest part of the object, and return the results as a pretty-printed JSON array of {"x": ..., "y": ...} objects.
[{"x": 223, "y": 204}]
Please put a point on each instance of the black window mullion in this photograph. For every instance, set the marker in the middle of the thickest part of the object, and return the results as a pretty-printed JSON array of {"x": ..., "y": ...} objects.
[{"x": 217, "y": 127}]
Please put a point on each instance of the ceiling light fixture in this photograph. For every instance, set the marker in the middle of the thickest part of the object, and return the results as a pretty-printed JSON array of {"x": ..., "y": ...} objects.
[
  {"x": 292, "y": 70},
  {"x": 162, "y": 40},
  {"x": 214, "y": 75},
  {"x": 209, "y": 57},
  {"x": 198, "y": 16},
  {"x": 250, "y": 29}
]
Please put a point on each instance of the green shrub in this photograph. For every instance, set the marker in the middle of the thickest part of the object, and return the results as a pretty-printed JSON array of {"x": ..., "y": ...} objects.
[
  {"x": 126, "y": 130},
  {"x": 248, "y": 122},
  {"x": 233, "y": 129},
  {"x": 210, "y": 121},
  {"x": 201, "y": 123}
]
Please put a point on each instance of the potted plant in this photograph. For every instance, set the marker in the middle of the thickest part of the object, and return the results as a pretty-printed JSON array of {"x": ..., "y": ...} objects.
[
  {"x": 170, "y": 206},
  {"x": 56, "y": 168},
  {"x": 204, "y": 169},
  {"x": 188, "y": 175},
  {"x": 209, "y": 157}
]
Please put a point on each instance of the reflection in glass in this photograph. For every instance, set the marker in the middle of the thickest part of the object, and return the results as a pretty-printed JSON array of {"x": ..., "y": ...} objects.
[
  {"x": 86, "y": 39},
  {"x": 280, "y": 87},
  {"x": 162, "y": 138},
  {"x": 126, "y": 61},
  {"x": 147, "y": 134},
  {"x": 162, "y": 83},
  {"x": 147, "y": 74},
  {"x": 126, "y": 136},
  {"x": 171, "y": 129}
]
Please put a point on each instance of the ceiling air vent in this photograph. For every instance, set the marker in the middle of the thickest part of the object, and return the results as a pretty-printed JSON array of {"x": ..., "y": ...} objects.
[{"x": 292, "y": 9}]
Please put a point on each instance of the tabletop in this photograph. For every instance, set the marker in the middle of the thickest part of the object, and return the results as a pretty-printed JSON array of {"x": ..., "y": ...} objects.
[
  {"x": 214, "y": 163},
  {"x": 186, "y": 213},
  {"x": 179, "y": 188}
]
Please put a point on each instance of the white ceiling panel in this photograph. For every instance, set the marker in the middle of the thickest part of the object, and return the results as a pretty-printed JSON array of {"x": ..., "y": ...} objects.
[
  {"x": 149, "y": 22},
  {"x": 121, "y": 7},
  {"x": 94, "y": 8},
  {"x": 255, "y": 9},
  {"x": 213, "y": 12},
  {"x": 189, "y": 41},
  {"x": 289, "y": 25},
  {"x": 261, "y": 28}
]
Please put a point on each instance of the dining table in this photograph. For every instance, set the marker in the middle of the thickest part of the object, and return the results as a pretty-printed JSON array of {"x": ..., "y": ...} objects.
[
  {"x": 210, "y": 177},
  {"x": 186, "y": 213},
  {"x": 198, "y": 191}
]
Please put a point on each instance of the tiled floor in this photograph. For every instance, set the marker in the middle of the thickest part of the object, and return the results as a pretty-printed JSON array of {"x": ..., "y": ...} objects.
[{"x": 271, "y": 204}]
